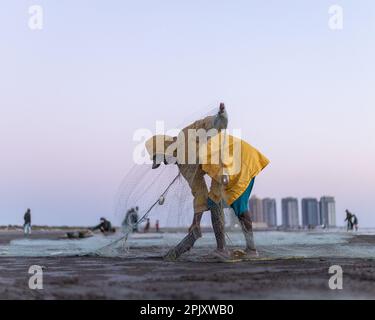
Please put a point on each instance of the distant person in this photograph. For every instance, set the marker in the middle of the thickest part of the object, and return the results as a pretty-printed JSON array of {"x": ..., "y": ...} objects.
[
  {"x": 355, "y": 222},
  {"x": 157, "y": 227},
  {"x": 147, "y": 226},
  {"x": 348, "y": 218},
  {"x": 104, "y": 226},
  {"x": 131, "y": 220},
  {"x": 27, "y": 222}
]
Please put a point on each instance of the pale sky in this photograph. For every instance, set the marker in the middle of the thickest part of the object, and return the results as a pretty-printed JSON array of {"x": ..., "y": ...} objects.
[{"x": 73, "y": 93}]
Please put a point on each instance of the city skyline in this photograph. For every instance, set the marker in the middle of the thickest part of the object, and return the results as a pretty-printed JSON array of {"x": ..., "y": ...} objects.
[
  {"x": 310, "y": 212},
  {"x": 306, "y": 212}
]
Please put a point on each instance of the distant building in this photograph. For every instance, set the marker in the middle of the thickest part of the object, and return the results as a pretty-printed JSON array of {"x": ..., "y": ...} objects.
[
  {"x": 269, "y": 212},
  {"x": 310, "y": 212},
  {"x": 328, "y": 211},
  {"x": 256, "y": 209},
  {"x": 290, "y": 212}
]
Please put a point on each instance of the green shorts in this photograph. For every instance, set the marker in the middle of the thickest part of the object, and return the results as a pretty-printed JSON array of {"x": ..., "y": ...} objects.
[{"x": 241, "y": 205}]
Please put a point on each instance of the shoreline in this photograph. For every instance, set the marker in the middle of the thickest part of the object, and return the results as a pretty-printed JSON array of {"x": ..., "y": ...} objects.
[{"x": 145, "y": 275}]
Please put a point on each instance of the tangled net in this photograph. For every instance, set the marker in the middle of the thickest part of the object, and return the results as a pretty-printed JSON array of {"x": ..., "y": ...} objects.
[{"x": 161, "y": 194}]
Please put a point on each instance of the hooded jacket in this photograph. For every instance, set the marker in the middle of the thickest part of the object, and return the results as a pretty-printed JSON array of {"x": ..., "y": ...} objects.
[
  {"x": 193, "y": 173},
  {"x": 226, "y": 155}
]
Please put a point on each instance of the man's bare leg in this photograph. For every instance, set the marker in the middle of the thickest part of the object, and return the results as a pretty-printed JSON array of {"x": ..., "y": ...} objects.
[
  {"x": 188, "y": 242},
  {"x": 217, "y": 220},
  {"x": 247, "y": 229},
  {"x": 196, "y": 224}
]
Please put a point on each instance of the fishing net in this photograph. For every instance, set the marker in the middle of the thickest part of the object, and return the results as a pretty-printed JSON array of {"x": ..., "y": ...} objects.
[{"x": 163, "y": 196}]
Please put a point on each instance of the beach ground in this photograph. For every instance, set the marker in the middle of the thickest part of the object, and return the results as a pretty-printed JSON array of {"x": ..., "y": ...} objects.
[{"x": 153, "y": 278}]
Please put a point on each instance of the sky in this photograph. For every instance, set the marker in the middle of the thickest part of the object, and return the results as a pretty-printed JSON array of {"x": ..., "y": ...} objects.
[{"x": 73, "y": 94}]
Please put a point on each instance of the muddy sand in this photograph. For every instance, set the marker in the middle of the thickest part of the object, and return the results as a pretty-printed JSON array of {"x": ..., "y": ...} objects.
[{"x": 153, "y": 278}]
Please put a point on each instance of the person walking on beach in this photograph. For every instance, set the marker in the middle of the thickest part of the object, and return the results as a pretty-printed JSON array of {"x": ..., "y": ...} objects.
[
  {"x": 348, "y": 218},
  {"x": 27, "y": 222}
]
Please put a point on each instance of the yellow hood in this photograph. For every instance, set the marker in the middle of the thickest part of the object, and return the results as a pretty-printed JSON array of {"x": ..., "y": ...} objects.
[{"x": 159, "y": 144}]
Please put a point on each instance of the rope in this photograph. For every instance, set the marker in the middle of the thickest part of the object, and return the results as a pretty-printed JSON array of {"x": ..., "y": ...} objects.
[
  {"x": 222, "y": 187},
  {"x": 125, "y": 237}
]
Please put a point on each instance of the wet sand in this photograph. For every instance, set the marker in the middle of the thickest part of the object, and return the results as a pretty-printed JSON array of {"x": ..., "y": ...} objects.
[
  {"x": 7, "y": 236},
  {"x": 153, "y": 278}
]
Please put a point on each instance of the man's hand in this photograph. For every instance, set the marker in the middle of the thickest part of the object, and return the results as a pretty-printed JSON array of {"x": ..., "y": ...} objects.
[
  {"x": 221, "y": 119},
  {"x": 221, "y": 108}
]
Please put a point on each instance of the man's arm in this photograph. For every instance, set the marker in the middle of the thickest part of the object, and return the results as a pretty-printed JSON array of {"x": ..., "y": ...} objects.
[{"x": 97, "y": 227}]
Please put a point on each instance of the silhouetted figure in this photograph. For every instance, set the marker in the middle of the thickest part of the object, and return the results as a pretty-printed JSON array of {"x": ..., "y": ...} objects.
[
  {"x": 131, "y": 220},
  {"x": 348, "y": 218},
  {"x": 104, "y": 226},
  {"x": 147, "y": 226},
  {"x": 157, "y": 227},
  {"x": 27, "y": 222}
]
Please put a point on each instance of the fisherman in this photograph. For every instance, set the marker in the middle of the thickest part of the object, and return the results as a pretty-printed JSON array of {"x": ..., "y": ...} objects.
[
  {"x": 348, "y": 218},
  {"x": 157, "y": 226},
  {"x": 105, "y": 226},
  {"x": 240, "y": 164},
  {"x": 131, "y": 220},
  {"x": 27, "y": 222},
  {"x": 185, "y": 155}
]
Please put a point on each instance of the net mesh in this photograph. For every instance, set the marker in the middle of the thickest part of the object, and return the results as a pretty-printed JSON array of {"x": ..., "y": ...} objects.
[{"x": 163, "y": 195}]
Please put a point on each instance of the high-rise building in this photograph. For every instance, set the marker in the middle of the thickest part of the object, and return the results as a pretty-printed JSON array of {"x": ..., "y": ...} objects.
[
  {"x": 256, "y": 209},
  {"x": 290, "y": 212},
  {"x": 328, "y": 211},
  {"x": 310, "y": 212},
  {"x": 269, "y": 212}
]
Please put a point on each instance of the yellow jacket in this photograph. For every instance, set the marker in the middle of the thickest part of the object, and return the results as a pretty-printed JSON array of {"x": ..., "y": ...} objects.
[
  {"x": 239, "y": 161},
  {"x": 193, "y": 173}
]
